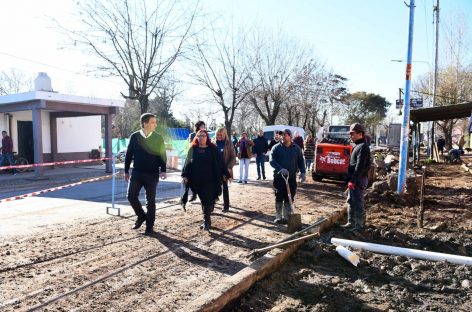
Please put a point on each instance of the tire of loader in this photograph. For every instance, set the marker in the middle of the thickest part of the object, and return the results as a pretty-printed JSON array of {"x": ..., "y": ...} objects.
[{"x": 317, "y": 177}]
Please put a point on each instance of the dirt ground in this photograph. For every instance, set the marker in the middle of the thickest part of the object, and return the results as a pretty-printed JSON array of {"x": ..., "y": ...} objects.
[
  {"x": 317, "y": 279},
  {"x": 103, "y": 265}
]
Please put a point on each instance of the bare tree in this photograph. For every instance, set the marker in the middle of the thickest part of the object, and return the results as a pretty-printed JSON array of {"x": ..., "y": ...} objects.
[
  {"x": 136, "y": 40},
  {"x": 247, "y": 119},
  {"x": 315, "y": 92},
  {"x": 126, "y": 121},
  {"x": 275, "y": 61},
  {"x": 13, "y": 81},
  {"x": 220, "y": 65},
  {"x": 454, "y": 76}
]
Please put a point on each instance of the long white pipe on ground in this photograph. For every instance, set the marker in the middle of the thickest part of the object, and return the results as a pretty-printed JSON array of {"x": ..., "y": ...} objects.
[{"x": 414, "y": 253}]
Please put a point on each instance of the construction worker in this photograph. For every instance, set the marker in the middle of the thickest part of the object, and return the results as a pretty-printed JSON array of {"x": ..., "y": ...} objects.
[
  {"x": 286, "y": 158},
  {"x": 357, "y": 179}
]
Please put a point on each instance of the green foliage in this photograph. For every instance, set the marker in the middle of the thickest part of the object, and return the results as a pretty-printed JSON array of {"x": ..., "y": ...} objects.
[
  {"x": 429, "y": 161},
  {"x": 366, "y": 108}
]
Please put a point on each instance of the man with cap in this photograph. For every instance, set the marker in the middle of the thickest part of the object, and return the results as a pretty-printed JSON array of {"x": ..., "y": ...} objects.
[
  {"x": 357, "y": 180},
  {"x": 286, "y": 157}
]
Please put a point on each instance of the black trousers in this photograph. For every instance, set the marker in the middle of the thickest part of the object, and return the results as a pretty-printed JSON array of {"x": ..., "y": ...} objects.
[
  {"x": 149, "y": 181},
  {"x": 281, "y": 188},
  {"x": 206, "y": 193},
  {"x": 225, "y": 193}
]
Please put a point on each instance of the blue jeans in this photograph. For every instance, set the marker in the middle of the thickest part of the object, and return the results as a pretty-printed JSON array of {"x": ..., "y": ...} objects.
[
  {"x": 308, "y": 163},
  {"x": 260, "y": 160},
  {"x": 355, "y": 199},
  {"x": 10, "y": 158}
]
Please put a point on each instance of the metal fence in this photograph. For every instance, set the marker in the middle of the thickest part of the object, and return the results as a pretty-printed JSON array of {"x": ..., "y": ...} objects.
[{"x": 171, "y": 188}]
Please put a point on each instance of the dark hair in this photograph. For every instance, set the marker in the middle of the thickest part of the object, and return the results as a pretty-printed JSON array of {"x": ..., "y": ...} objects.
[
  {"x": 198, "y": 125},
  {"x": 195, "y": 139},
  {"x": 145, "y": 118},
  {"x": 4, "y": 131}
]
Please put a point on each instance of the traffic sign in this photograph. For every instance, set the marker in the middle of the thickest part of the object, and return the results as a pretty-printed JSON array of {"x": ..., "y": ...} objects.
[{"x": 414, "y": 103}]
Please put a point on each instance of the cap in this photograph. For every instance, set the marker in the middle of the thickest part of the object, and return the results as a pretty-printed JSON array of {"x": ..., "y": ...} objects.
[
  {"x": 356, "y": 127},
  {"x": 287, "y": 131}
]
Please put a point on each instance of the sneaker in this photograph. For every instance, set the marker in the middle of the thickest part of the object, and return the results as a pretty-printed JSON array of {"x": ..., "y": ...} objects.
[
  {"x": 258, "y": 178},
  {"x": 347, "y": 225},
  {"x": 263, "y": 178},
  {"x": 283, "y": 221},
  {"x": 205, "y": 226},
  {"x": 245, "y": 182},
  {"x": 240, "y": 181},
  {"x": 278, "y": 221}
]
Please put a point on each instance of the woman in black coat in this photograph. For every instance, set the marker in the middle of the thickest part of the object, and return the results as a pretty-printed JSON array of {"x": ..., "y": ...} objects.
[{"x": 203, "y": 173}]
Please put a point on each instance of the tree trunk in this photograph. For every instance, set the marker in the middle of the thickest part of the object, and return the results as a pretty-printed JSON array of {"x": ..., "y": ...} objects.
[{"x": 143, "y": 103}]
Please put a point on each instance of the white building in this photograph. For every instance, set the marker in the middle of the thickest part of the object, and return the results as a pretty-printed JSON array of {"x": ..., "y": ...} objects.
[{"x": 46, "y": 126}]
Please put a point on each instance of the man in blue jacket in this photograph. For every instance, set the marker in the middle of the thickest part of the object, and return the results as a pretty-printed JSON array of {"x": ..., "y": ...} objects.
[
  {"x": 286, "y": 158},
  {"x": 357, "y": 179},
  {"x": 260, "y": 149}
]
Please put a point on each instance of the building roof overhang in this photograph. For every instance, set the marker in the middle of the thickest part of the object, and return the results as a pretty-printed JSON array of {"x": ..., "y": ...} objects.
[
  {"x": 455, "y": 111},
  {"x": 57, "y": 102}
]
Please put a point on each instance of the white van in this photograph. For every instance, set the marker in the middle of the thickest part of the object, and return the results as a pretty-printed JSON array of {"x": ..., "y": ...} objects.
[{"x": 269, "y": 130}]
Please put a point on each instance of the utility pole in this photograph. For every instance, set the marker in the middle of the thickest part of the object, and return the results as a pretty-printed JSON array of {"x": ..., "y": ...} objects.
[
  {"x": 435, "y": 78},
  {"x": 406, "y": 107}
]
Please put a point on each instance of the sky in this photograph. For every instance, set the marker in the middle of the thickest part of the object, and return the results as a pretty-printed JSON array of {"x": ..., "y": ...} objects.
[{"x": 355, "y": 38}]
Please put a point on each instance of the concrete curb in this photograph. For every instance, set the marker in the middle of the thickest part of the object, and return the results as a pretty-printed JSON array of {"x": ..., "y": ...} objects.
[{"x": 233, "y": 287}]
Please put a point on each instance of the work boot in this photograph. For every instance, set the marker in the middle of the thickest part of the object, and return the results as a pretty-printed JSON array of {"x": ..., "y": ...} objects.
[
  {"x": 287, "y": 210},
  {"x": 350, "y": 219},
  {"x": 278, "y": 212},
  {"x": 359, "y": 223}
]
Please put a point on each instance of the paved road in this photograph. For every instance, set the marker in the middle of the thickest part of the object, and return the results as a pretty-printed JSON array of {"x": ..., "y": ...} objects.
[
  {"x": 71, "y": 205},
  {"x": 86, "y": 201}
]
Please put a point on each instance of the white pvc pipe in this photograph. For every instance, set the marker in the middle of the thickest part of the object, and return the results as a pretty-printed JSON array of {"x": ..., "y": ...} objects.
[
  {"x": 413, "y": 253},
  {"x": 348, "y": 255}
]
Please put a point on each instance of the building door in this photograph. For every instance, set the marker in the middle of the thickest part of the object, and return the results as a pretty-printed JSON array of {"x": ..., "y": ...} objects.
[{"x": 25, "y": 140}]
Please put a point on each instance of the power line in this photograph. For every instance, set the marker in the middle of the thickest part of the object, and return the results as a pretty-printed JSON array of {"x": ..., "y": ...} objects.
[
  {"x": 57, "y": 67},
  {"x": 441, "y": 96}
]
